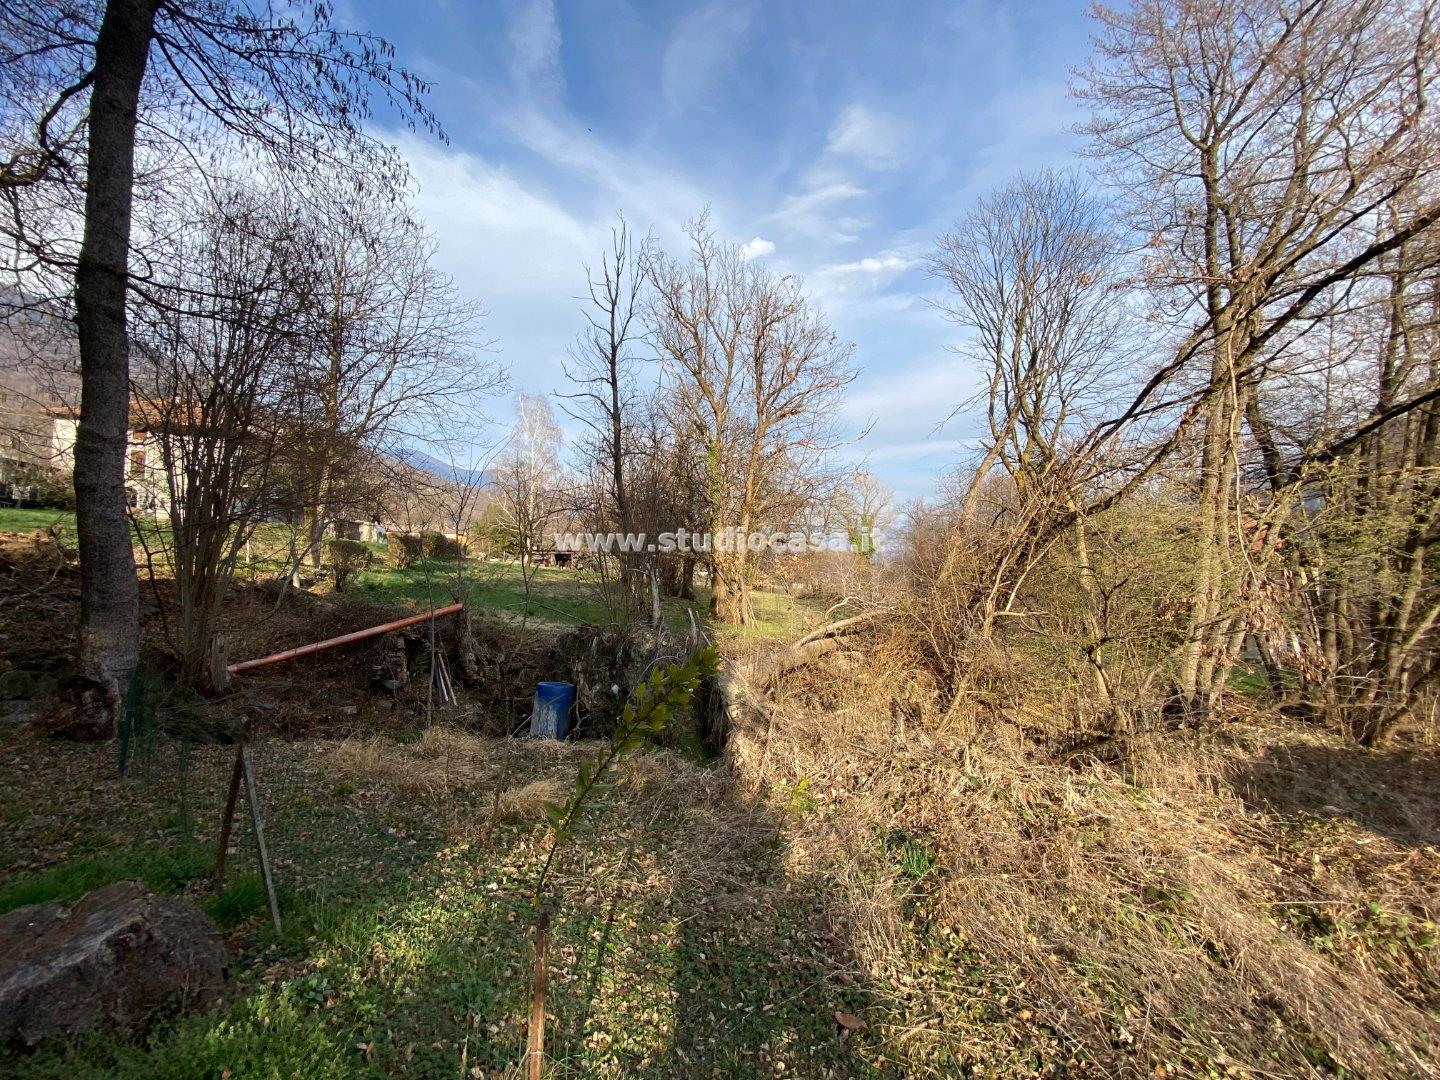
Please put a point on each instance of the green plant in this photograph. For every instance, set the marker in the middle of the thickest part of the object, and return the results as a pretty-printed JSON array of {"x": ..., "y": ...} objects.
[
  {"x": 404, "y": 549},
  {"x": 346, "y": 559},
  {"x": 436, "y": 545},
  {"x": 800, "y": 800},
  {"x": 234, "y": 905}
]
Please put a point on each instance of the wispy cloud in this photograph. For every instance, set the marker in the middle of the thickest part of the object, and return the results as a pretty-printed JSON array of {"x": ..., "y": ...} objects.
[
  {"x": 888, "y": 264},
  {"x": 861, "y": 140},
  {"x": 828, "y": 140},
  {"x": 535, "y": 49},
  {"x": 867, "y": 135},
  {"x": 704, "y": 46},
  {"x": 805, "y": 202}
]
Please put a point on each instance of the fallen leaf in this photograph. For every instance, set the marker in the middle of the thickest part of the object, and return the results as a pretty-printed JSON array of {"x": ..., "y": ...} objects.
[{"x": 851, "y": 1022}]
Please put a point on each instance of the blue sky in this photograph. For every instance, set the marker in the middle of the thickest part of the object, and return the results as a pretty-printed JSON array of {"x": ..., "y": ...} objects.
[{"x": 838, "y": 139}]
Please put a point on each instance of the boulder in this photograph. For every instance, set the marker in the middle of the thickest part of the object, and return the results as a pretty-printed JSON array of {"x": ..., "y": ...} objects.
[{"x": 107, "y": 962}]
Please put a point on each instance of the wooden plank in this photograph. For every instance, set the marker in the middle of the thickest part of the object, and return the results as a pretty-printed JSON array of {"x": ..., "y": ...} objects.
[
  {"x": 250, "y": 797},
  {"x": 228, "y": 818}
]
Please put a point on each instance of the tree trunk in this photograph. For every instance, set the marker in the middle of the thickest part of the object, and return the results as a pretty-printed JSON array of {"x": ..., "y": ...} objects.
[
  {"x": 687, "y": 578},
  {"x": 109, "y": 588}
]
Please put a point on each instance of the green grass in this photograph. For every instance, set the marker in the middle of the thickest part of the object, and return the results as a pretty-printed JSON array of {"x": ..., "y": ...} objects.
[
  {"x": 239, "y": 901},
  {"x": 558, "y": 597},
  {"x": 164, "y": 869},
  {"x": 13, "y": 519},
  {"x": 563, "y": 597},
  {"x": 407, "y": 944}
]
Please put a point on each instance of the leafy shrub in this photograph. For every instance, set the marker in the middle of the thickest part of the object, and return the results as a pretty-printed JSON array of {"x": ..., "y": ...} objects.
[
  {"x": 348, "y": 558},
  {"x": 439, "y": 546},
  {"x": 489, "y": 536},
  {"x": 405, "y": 549},
  {"x": 54, "y": 489},
  {"x": 51, "y": 489}
]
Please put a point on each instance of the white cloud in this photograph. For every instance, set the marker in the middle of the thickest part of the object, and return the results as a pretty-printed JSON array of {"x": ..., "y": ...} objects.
[
  {"x": 869, "y": 289},
  {"x": 704, "y": 45},
  {"x": 535, "y": 49},
  {"x": 757, "y": 248},
  {"x": 867, "y": 135},
  {"x": 496, "y": 236},
  {"x": 888, "y": 264},
  {"x": 595, "y": 177},
  {"x": 810, "y": 211},
  {"x": 511, "y": 247},
  {"x": 861, "y": 138}
]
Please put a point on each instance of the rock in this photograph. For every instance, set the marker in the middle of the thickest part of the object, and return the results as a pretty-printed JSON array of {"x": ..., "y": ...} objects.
[
  {"x": 18, "y": 713},
  {"x": 19, "y": 683},
  {"x": 107, "y": 961}
]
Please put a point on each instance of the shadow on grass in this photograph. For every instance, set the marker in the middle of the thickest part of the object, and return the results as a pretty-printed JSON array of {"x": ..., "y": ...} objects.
[
  {"x": 1395, "y": 793},
  {"x": 682, "y": 944},
  {"x": 762, "y": 968},
  {"x": 702, "y": 954}
]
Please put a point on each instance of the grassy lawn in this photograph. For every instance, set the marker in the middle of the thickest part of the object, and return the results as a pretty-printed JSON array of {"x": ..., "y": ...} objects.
[
  {"x": 496, "y": 590},
  {"x": 13, "y": 519},
  {"x": 681, "y": 945},
  {"x": 561, "y": 597}
]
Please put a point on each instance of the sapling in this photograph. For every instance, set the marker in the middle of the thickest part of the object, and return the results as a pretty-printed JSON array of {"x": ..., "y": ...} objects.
[{"x": 651, "y": 705}]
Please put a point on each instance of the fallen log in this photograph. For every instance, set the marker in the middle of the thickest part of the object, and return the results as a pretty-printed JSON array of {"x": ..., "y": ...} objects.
[{"x": 343, "y": 639}]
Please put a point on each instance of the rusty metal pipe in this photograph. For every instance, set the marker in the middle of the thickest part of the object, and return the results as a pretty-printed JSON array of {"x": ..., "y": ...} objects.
[{"x": 343, "y": 639}]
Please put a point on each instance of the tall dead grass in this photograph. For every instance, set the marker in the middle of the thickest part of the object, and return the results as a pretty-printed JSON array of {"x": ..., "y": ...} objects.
[{"x": 1123, "y": 909}]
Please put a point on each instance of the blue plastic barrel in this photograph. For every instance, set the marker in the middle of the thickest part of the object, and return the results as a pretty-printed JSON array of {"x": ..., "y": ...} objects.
[{"x": 550, "y": 715}]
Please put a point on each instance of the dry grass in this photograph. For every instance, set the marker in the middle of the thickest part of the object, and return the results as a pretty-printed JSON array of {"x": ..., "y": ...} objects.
[
  {"x": 475, "y": 782},
  {"x": 527, "y": 801},
  {"x": 441, "y": 762},
  {"x": 1143, "y": 909}
]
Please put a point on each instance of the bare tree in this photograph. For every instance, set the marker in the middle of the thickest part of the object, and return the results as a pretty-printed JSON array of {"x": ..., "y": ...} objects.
[
  {"x": 867, "y": 510},
  {"x": 1033, "y": 273},
  {"x": 393, "y": 351},
  {"x": 754, "y": 373},
  {"x": 528, "y": 482},
  {"x": 1366, "y": 513},
  {"x": 1259, "y": 146},
  {"x": 606, "y": 400},
  {"x": 215, "y": 390},
  {"x": 82, "y": 78}
]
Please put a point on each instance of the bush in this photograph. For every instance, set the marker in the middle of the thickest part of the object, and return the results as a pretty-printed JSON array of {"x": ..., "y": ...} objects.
[
  {"x": 54, "y": 489},
  {"x": 489, "y": 536},
  {"x": 405, "y": 549},
  {"x": 439, "y": 546},
  {"x": 50, "y": 489},
  {"x": 348, "y": 558}
]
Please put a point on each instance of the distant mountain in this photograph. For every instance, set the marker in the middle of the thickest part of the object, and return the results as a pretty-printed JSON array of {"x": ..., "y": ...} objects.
[{"x": 443, "y": 469}]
